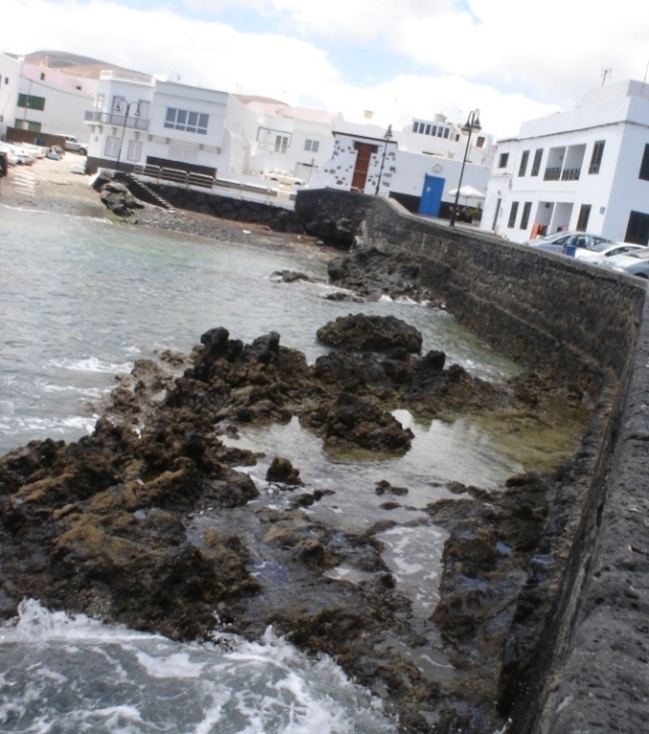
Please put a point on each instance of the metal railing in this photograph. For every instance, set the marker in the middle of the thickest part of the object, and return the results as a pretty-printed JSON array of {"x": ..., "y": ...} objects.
[
  {"x": 175, "y": 175},
  {"x": 188, "y": 179},
  {"x": 570, "y": 174},
  {"x": 562, "y": 174},
  {"x": 112, "y": 118},
  {"x": 552, "y": 174}
]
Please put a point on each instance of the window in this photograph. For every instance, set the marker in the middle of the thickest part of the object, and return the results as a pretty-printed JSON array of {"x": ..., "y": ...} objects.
[
  {"x": 644, "y": 166},
  {"x": 30, "y": 102},
  {"x": 480, "y": 141},
  {"x": 192, "y": 122},
  {"x": 281, "y": 143},
  {"x": 582, "y": 219},
  {"x": 525, "y": 218},
  {"x": 596, "y": 158},
  {"x": 112, "y": 147},
  {"x": 513, "y": 212},
  {"x": 312, "y": 145},
  {"x": 502, "y": 161},
  {"x": 33, "y": 127},
  {"x": 523, "y": 166},
  {"x": 447, "y": 132},
  {"x": 536, "y": 163},
  {"x": 134, "y": 152}
]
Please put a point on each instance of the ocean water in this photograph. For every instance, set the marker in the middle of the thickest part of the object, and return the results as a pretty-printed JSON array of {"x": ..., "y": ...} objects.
[
  {"x": 80, "y": 300},
  {"x": 74, "y": 675}
]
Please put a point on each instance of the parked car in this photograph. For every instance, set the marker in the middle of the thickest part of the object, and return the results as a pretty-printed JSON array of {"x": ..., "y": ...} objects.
[
  {"x": 17, "y": 155},
  {"x": 284, "y": 177},
  {"x": 73, "y": 143},
  {"x": 599, "y": 253},
  {"x": 547, "y": 239},
  {"x": 568, "y": 243},
  {"x": 633, "y": 263}
]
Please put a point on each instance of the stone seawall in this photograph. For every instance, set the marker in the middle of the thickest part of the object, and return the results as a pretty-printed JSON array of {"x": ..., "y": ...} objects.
[{"x": 591, "y": 669}]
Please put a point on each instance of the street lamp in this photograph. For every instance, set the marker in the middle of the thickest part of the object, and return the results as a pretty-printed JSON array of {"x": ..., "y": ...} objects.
[
  {"x": 118, "y": 109},
  {"x": 387, "y": 137},
  {"x": 472, "y": 125}
]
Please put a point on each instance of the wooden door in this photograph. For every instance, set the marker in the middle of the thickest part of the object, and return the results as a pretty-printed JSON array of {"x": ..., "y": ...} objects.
[{"x": 364, "y": 153}]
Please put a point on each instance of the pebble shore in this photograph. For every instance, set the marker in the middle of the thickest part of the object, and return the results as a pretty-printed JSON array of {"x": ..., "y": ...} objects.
[{"x": 53, "y": 186}]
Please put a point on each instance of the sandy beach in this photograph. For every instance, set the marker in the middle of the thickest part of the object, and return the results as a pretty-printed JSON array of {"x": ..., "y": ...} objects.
[{"x": 53, "y": 186}]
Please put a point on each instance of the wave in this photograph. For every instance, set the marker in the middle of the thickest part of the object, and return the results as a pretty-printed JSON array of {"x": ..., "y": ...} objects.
[{"x": 75, "y": 674}]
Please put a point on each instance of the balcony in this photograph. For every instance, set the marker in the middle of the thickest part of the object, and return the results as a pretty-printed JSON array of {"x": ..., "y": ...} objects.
[
  {"x": 562, "y": 174},
  {"x": 115, "y": 119},
  {"x": 552, "y": 174},
  {"x": 570, "y": 174}
]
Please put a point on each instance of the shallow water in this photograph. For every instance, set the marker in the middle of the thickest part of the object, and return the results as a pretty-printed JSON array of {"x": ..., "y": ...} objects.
[{"x": 80, "y": 301}]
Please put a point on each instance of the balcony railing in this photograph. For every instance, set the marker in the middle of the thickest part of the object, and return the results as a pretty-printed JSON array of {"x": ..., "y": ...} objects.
[
  {"x": 570, "y": 174},
  {"x": 112, "y": 118},
  {"x": 562, "y": 174}
]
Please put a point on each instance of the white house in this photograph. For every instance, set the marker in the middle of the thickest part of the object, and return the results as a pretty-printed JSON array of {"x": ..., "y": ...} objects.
[
  {"x": 282, "y": 137},
  {"x": 9, "y": 85},
  {"x": 586, "y": 169},
  {"x": 137, "y": 120},
  {"x": 420, "y": 166},
  {"x": 53, "y": 102}
]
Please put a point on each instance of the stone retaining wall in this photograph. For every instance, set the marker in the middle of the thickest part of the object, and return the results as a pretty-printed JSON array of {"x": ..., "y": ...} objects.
[{"x": 592, "y": 327}]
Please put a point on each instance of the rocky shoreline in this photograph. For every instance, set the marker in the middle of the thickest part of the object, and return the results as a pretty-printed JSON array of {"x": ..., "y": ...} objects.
[{"x": 147, "y": 522}]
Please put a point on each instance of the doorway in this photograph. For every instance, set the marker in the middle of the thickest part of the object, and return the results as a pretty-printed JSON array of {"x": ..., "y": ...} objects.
[
  {"x": 364, "y": 152},
  {"x": 431, "y": 196}
]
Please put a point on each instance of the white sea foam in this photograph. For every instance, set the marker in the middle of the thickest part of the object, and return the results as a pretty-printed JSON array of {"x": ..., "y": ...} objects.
[
  {"x": 58, "y": 426},
  {"x": 91, "y": 364},
  {"x": 74, "y": 674}
]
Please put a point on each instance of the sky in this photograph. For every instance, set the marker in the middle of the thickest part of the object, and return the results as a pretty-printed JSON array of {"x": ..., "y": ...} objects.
[{"x": 398, "y": 59}]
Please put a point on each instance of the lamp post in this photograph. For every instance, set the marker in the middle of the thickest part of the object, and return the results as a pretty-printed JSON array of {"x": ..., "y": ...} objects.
[
  {"x": 118, "y": 108},
  {"x": 472, "y": 125},
  {"x": 386, "y": 138}
]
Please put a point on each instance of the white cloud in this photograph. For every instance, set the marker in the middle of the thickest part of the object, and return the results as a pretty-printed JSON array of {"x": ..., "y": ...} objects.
[{"x": 511, "y": 60}]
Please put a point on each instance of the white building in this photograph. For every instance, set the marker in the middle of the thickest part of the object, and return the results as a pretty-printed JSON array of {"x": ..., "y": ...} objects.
[
  {"x": 42, "y": 100},
  {"x": 140, "y": 122},
  {"x": 9, "y": 85},
  {"x": 53, "y": 102},
  {"x": 420, "y": 166},
  {"x": 586, "y": 169},
  {"x": 293, "y": 139}
]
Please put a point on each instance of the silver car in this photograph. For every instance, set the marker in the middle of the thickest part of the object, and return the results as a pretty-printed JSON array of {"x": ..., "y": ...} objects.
[
  {"x": 599, "y": 253},
  {"x": 567, "y": 243},
  {"x": 633, "y": 263}
]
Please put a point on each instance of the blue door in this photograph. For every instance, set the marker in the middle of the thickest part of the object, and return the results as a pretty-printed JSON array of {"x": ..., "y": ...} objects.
[{"x": 431, "y": 196}]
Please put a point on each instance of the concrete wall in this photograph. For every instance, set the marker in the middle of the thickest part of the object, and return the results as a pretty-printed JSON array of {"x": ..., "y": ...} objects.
[{"x": 591, "y": 668}]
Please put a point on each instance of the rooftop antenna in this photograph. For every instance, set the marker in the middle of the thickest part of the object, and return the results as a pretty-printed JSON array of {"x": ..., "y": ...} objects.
[{"x": 605, "y": 73}]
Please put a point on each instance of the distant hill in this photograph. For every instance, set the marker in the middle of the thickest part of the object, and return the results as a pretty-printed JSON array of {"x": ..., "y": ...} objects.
[{"x": 74, "y": 64}]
